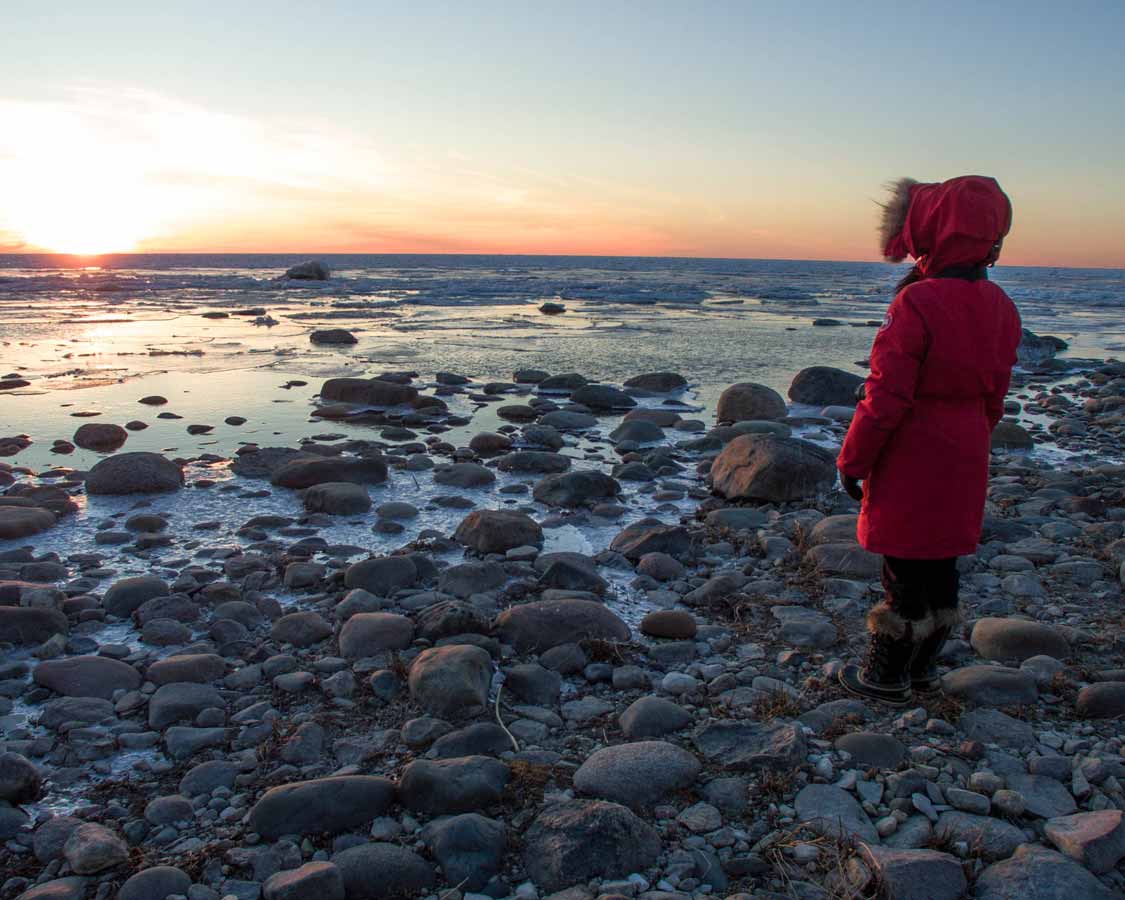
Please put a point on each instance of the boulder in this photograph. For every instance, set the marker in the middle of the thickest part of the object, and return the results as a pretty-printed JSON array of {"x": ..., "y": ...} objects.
[
  {"x": 1105, "y": 700},
  {"x": 916, "y": 874},
  {"x": 20, "y": 781},
  {"x": 833, "y": 812},
  {"x": 1010, "y": 436},
  {"x": 542, "y": 624},
  {"x": 745, "y": 746},
  {"x": 334, "y": 804},
  {"x": 872, "y": 749},
  {"x": 674, "y": 624},
  {"x": 1014, "y": 640},
  {"x": 1094, "y": 839},
  {"x": 333, "y": 336},
  {"x": 1035, "y": 873},
  {"x": 652, "y": 536},
  {"x": 23, "y": 625},
  {"x": 312, "y": 881},
  {"x": 576, "y": 840},
  {"x": 306, "y": 471},
  {"x": 451, "y": 681},
  {"x": 381, "y": 871},
  {"x": 824, "y": 386},
  {"x": 101, "y": 437},
  {"x": 87, "y": 676},
  {"x": 637, "y": 774},
  {"x": 991, "y": 685},
  {"x": 574, "y": 489},
  {"x": 157, "y": 881},
  {"x": 301, "y": 629},
  {"x": 24, "y": 521},
  {"x": 368, "y": 634},
  {"x": 747, "y": 400},
  {"x": 651, "y": 717},
  {"x": 991, "y": 838},
  {"x": 201, "y": 668},
  {"x": 533, "y": 462},
  {"x": 772, "y": 469},
  {"x": 375, "y": 392},
  {"x": 382, "y": 576},
  {"x": 313, "y": 270},
  {"x": 182, "y": 700},
  {"x": 93, "y": 848},
  {"x": 470, "y": 848},
  {"x": 337, "y": 498},
  {"x": 658, "y": 382},
  {"x": 464, "y": 475},
  {"x": 134, "y": 473},
  {"x": 498, "y": 531},
  {"x": 448, "y": 786},
  {"x": 602, "y": 398},
  {"x": 846, "y": 559},
  {"x": 127, "y": 595}
]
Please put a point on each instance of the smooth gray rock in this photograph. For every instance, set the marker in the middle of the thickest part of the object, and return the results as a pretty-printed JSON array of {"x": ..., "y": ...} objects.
[
  {"x": 333, "y": 804},
  {"x": 446, "y": 786},
  {"x": 747, "y": 745},
  {"x": 832, "y": 811},
  {"x": 383, "y": 871},
  {"x": 992, "y": 838},
  {"x": 155, "y": 883},
  {"x": 991, "y": 686},
  {"x": 637, "y": 774},
  {"x": 542, "y": 624},
  {"x": 1036, "y": 873},
  {"x": 470, "y": 848},
  {"x": 450, "y": 681}
]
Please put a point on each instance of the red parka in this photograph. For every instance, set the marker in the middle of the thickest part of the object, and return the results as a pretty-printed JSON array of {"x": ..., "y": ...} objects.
[{"x": 940, "y": 369}]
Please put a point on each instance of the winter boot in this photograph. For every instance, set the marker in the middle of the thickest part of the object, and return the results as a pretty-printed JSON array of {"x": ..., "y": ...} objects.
[
  {"x": 885, "y": 673},
  {"x": 924, "y": 676}
]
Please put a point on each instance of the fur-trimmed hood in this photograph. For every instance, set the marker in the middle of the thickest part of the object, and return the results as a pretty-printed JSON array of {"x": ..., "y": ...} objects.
[{"x": 951, "y": 223}]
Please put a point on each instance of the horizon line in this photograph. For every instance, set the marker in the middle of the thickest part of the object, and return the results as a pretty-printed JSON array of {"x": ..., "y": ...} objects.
[{"x": 313, "y": 256}]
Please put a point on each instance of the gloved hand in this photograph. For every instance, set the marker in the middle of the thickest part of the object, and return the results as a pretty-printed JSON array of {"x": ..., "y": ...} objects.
[{"x": 852, "y": 488}]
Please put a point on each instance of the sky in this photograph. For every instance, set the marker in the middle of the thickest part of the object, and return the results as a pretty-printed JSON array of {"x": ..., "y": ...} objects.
[{"x": 720, "y": 129}]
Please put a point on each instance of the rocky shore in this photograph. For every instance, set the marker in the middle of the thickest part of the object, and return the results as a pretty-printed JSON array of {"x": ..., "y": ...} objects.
[{"x": 611, "y": 674}]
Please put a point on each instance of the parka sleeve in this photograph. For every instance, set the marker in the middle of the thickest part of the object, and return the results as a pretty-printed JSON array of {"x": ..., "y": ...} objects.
[
  {"x": 994, "y": 403},
  {"x": 900, "y": 346}
]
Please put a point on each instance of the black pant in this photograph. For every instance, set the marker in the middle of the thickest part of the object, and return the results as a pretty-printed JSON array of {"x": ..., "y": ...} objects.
[{"x": 919, "y": 587}]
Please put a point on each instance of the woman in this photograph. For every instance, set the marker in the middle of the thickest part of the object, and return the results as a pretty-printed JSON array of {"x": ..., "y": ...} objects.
[{"x": 920, "y": 439}]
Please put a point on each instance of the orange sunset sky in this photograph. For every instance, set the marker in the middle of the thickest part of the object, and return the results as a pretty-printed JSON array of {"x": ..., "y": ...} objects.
[{"x": 714, "y": 129}]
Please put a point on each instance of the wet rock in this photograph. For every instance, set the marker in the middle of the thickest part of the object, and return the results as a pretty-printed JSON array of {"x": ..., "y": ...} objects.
[
  {"x": 333, "y": 804},
  {"x": 337, "y": 498},
  {"x": 464, "y": 475},
  {"x": 487, "y": 444},
  {"x": 87, "y": 676},
  {"x": 376, "y": 392},
  {"x": 1105, "y": 700},
  {"x": 652, "y": 536},
  {"x": 745, "y": 401},
  {"x": 20, "y": 781},
  {"x": 498, "y": 531},
  {"x": 637, "y": 774},
  {"x": 102, "y": 437},
  {"x": 381, "y": 871},
  {"x": 637, "y": 431},
  {"x": 824, "y": 386},
  {"x": 1036, "y": 873},
  {"x": 832, "y": 811},
  {"x": 658, "y": 382},
  {"x": 748, "y": 745},
  {"x": 1014, "y": 640},
  {"x": 773, "y": 469},
  {"x": 471, "y": 578},
  {"x": 301, "y": 629},
  {"x": 450, "y": 681},
  {"x": 991, "y": 686},
  {"x": 134, "y": 473},
  {"x": 538, "y": 462},
  {"x": 449, "y": 618},
  {"x": 447, "y": 786},
  {"x": 602, "y": 398},
  {"x": 313, "y": 270},
  {"x": 574, "y": 841},
  {"x": 312, "y": 881},
  {"x": 1010, "y": 436},
  {"x": 23, "y": 625},
  {"x": 333, "y": 336},
  {"x": 470, "y": 848},
  {"x": 158, "y": 881},
  {"x": 573, "y": 489},
  {"x": 870, "y": 749},
  {"x": 368, "y": 634},
  {"x": 304, "y": 472},
  {"x": 24, "y": 521},
  {"x": 537, "y": 626},
  {"x": 93, "y": 848},
  {"x": 207, "y": 776},
  {"x": 1094, "y": 839}
]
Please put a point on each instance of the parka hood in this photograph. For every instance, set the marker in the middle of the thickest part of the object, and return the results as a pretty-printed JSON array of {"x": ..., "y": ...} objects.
[{"x": 944, "y": 224}]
